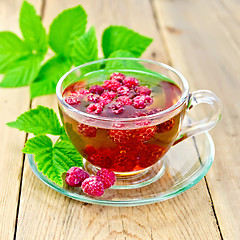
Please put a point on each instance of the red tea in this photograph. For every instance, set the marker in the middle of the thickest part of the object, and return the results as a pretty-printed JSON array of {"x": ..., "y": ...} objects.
[{"x": 117, "y": 147}]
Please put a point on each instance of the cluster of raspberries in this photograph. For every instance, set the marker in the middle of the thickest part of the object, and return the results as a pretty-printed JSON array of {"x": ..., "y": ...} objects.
[
  {"x": 118, "y": 90},
  {"x": 94, "y": 185}
]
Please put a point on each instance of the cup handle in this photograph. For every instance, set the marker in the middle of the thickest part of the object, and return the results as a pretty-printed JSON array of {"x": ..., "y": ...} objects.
[{"x": 207, "y": 123}]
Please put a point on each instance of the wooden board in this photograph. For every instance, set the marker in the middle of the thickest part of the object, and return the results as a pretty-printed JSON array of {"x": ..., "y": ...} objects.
[
  {"x": 203, "y": 41},
  {"x": 45, "y": 214},
  {"x": 13, "y": 102}
]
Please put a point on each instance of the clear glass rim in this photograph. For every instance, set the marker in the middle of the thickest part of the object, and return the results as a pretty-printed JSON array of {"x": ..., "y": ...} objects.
[
  {"x": 184, "y": 96},
  {"x": 188, "y": 182}
]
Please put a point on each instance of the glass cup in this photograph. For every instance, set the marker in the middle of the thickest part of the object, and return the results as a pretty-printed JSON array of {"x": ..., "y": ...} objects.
[{"x": 133, "y": 146}]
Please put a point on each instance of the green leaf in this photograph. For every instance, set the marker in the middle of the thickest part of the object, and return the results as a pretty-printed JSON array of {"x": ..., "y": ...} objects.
[
  {"x": 85, "y": 48},
  {"x": 32, "y": 28},
  {"x": 22, "y": 72},
  {"x": 37, "y": 144},
  {"x": 41, "y": 120},
  {"x": 51, "y": 160},
  {"x": 121, "y": 38},
  {"x": 65, "y": 28},
  {"x": 11, "y": 48},
  {"x": 64, "y": 137},
  {"x": 117, "y": 65},
  {"x": 121, "y": 54},
  {"x": 49, "y": 75},
  {"x": 123, "y": 64}
]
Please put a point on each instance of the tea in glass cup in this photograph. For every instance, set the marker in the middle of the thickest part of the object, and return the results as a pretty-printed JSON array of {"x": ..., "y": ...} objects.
[{"x": 124, "y": 114}]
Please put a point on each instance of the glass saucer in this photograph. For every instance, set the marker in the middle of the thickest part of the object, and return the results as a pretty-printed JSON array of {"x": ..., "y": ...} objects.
[{"x": 185, "y": 165}]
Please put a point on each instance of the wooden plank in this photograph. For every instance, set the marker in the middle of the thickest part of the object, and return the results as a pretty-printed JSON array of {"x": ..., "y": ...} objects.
[
  {"x": 13, "y": 102},
  {"x": 45, "y": 214},
  {"x": 203, "y": 41}
]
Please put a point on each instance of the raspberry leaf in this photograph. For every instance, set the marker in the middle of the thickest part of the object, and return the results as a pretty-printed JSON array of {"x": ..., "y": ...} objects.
[
  {"x": 64, "y": 137},
  {"x": 85, "y": 48},
  {"x": 38, "y": 144},
  {"x": 51, "y": 160},
  {"x": 65, "y": 28},
  {"x": 123, "y": 64},
  {"x": 121, "y": 38},
  {"x": 121, "y": 53},
  {"x": 32, "y": 28},
  {"x": 49, "y": 75},
  {"x": 41, "y": 120},
  {"x": 128, "y": 64},
  {"x": 22, "y": 72},
  {"x": 11, "y": 48}
]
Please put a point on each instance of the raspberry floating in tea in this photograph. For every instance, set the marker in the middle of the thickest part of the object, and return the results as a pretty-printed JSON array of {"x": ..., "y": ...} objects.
[{"x": 120, "y": 95}]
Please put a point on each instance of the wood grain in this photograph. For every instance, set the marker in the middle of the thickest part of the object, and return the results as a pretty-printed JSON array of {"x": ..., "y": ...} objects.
[
  {"x": 205, "y": 47},
  {"x": 45, "y": 214},
  {"x": 13, "y": 102}
]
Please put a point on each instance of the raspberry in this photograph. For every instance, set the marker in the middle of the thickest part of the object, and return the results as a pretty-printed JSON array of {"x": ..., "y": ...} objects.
[
  {"x": 144, "y": 134},
  {"x": 120, "y": 136},
  {"x": 104, "y": 101},
  {"x": 149, "y": 154},
  {"x": 87, "y": 130},
  {"x": 90, "y": 150},
  {"x": 117, "y": 76},
  {"x": 81, "y": 92},
  {"x": 125, "y": 161},
  {"x": 130, "y": 82},
  {"x": 109, "y": 95},
  {"x": 100, "y": 157},
  {"x": 139, "y": 102},
  {"x": 111, "y": 85},
  {"x": 72, "y": 100},
  {"x": 75, "y": 96},
  {"x": 102, "y": 160},
  {"x": 96, "y": 89},
  {"x": 93, "y": 186},
  {"x": 94, "y": 108},
  {"x": 75, "y": 176},
  {"x": 142, "y": 101},
  {"x": 107, "y": 177},
  {"x": 147, "y": 99},
  {"x": 124, "y": 100},
  {"x": 123, "y": 91},
  {"x": 117, "y": 108},
  {"x": 142, "y": 90},
  {"x": 125, "y": 136},
  {"x": 93, "y": 98},
  {"x": 166, "y": 126}
]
